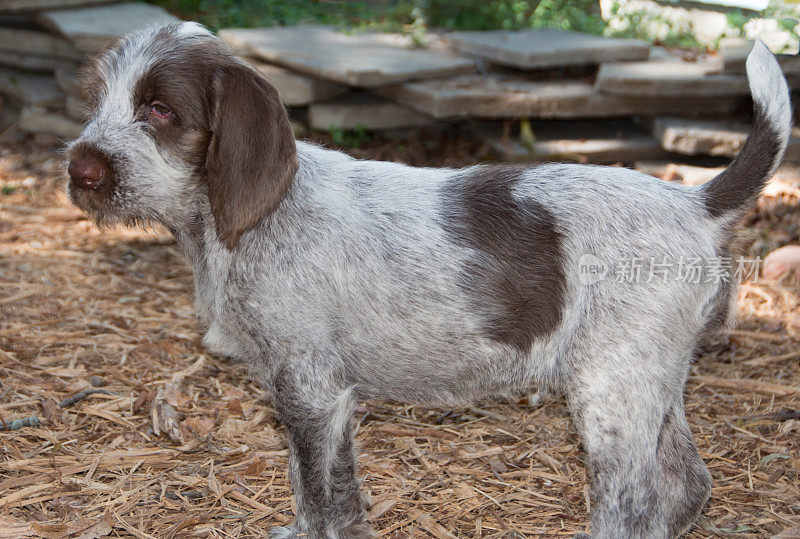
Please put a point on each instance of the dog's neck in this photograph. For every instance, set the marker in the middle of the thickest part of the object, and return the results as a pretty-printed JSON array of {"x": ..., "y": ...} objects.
[
  {"x": 197, "y": 236},
  {"x": 190, "y": 233}
]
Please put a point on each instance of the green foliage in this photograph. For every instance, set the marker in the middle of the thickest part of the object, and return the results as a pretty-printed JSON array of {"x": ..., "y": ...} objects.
[
  {"x": 7, "y": 190},
  {"x": 526, "y": 135},
  {"x": 580, "y": 16},
  {"x": 472, "y": 15},
  {"x": 736, "y": 21},
  {"x": 415, "y": 17},
  {"x": 791, "y": 25},
  {"x": 409, "y": 16},
  {"x": 350, "y": 138},
  {"x": 218, "y": 14}
]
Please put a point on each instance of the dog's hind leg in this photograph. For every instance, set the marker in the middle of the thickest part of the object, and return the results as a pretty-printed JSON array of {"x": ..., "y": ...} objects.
[
  {"x": 648, "y": 480},
  {"x": 322, "y": 461}
]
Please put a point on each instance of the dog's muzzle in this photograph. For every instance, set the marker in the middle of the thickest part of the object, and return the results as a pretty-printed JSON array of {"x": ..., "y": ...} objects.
[{"x": 88, "y": 173}]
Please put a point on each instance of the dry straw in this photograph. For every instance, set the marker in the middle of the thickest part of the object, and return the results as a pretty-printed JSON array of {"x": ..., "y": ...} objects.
[{"x": 82, "y": 309}]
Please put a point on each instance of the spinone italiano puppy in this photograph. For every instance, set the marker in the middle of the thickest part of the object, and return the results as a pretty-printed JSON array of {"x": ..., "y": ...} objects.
[{"x": 337, "y": 280}]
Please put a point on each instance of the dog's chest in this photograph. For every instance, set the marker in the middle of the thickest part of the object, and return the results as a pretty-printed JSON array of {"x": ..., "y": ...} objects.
[{"x": 212, "y": 305}]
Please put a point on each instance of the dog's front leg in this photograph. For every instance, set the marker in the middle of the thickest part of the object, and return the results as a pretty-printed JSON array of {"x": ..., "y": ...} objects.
[{"x": 322, "y": 461}]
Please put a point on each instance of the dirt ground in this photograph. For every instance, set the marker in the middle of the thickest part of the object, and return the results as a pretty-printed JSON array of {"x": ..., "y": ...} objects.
[{"x": 112, "y": 310}]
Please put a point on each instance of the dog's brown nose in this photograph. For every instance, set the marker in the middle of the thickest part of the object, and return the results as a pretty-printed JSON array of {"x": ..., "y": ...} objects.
[{"x": 87, "y": 173}]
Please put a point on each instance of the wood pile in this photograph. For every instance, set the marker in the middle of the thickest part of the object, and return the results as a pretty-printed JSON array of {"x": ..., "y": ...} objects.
[
  {"x": 580, "y": 97},
  {"x": 524, "y": 95},
  {"x": 42, "y": 43}
]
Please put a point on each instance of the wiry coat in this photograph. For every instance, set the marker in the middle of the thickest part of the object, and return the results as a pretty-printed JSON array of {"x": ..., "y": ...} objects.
[{"x": 336, "y": 279}]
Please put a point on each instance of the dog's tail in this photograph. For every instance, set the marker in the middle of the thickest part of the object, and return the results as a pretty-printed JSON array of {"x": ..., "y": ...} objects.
[{"x": 735, "y": 189}]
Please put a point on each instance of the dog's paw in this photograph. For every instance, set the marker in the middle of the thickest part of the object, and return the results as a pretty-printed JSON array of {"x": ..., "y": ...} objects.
[
  {"x": 282, "y": 532},
  {"x": 359, "y": 530}
]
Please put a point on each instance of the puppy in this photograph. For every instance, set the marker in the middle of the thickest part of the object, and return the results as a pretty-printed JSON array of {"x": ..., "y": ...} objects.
[{"x": 338, "y": 280}]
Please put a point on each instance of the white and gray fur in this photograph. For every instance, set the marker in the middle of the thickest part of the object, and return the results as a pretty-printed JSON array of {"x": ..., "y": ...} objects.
[{"x": 371, "y": 280}]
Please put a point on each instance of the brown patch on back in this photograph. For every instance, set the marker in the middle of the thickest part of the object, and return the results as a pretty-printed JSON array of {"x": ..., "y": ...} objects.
[{"x": 519, "y": 282}]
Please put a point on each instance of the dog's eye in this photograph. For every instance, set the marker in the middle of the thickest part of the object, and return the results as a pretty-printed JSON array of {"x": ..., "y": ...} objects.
[{"x": 160, "y": 111}]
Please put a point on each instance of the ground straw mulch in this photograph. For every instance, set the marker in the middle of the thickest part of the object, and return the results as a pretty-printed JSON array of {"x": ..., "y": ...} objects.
[{"x": 111, "y": 312}]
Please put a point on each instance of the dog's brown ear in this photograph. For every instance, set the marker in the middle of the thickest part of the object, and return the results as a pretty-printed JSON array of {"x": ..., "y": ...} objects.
[{"x": 252, "y": 157}]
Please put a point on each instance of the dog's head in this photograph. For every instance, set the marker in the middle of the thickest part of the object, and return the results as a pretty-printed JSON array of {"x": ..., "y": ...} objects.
[{"x": 174, "y": 117}]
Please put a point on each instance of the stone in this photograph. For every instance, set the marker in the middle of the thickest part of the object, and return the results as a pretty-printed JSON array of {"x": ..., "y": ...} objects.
[
  {"x": 36, "y": 64},
  {"x": 709, "y": 137},
  {"x": 298, "y": 90},
  {"x": 502, "y": 96},
  {"x": 31, "y": 42},
  {"x": 584, "y": 142},
  {"x": 19, "y": 6},
  {"x": 546, "y": 47},
  {"x": 783, "y": 260},
  {"x": 364, "y": 111},
  {"x": 29, "y": 89},
  {"x": 92, "y": 29},
  {"x": 362, "y": 59},
  {"x": 39, "y": 120},
  {"x": 670, "y": 77}
]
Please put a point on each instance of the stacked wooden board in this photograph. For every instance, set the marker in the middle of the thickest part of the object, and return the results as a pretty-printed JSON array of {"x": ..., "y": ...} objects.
[
  {"x": 42, "y": 43},
  {"x": 585, "y": 97}
]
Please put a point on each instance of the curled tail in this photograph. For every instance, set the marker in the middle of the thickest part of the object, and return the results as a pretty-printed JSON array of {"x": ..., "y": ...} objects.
[{"x": 740, "y": 184}]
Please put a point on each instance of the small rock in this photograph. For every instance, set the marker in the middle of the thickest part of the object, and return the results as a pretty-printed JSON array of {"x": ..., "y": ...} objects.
[
  {"x": 781, "y": 261},
  {"x": 97, "y": 381}
]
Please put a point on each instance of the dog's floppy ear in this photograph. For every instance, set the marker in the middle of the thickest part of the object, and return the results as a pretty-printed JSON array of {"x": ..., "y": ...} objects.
[{"x": 251, "y": 157}]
